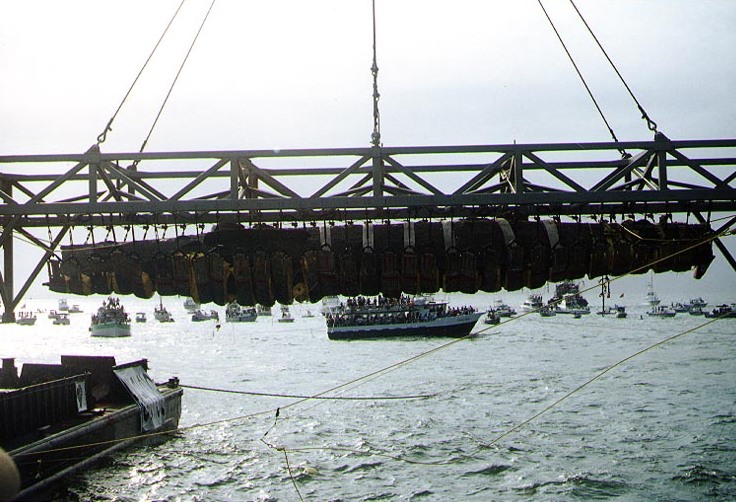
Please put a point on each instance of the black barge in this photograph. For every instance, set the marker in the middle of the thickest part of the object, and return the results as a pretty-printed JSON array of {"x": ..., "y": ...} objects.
[{"x": 60, "y": 418}]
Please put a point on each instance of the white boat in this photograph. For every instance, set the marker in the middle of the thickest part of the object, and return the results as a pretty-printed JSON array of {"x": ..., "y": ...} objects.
[
  {"x": 568, "y": 300},
  {"x": 140, "y": 317},
  {"x": 190, "y": 305},
  {"x": 161, "y": 314},
  {"x": 236, "y": 313},
  {"x": 285, "y": 315},
  {"x": 62, "y": 319},
  {"x": 201, "y": 315},
  {"x": 111, "y": 320},
  {"x": 75, "y": 309},
  {"x": 697, "y": 303},
  {"x": 696, "y": 306},
  {"x": 308, "y": 313},
  {"x": 502, "y": 310},
  {"x": 661, "y": 311},
  {"x": 420, "y": 316},
  {"x": 263, "y": 310},
  {"x": 533, "y": 303},
  {"x": 330, "y": 305},
  {"x": 25, "y": 318},
  {"x": 652, "y": 300},
  {"x": 63, "y": 305}
]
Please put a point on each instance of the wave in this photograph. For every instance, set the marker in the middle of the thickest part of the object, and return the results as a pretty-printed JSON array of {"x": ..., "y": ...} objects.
[{"x": 583, "y": 486}]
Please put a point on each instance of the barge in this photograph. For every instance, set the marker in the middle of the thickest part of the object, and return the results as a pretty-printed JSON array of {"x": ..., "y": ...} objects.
[{"x": 60, "y": 418}]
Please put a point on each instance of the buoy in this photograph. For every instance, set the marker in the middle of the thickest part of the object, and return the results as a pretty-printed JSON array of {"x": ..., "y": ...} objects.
[{"x": 9, "y": 477}]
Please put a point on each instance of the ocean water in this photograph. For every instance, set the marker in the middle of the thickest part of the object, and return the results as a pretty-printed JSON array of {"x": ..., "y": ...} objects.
[{"x": 660, "y": 426}]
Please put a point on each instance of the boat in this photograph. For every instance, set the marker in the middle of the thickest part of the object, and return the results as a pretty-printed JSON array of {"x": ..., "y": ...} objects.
[
  {"x": 606, "y": 311},
  {"x": 502, "y": 310},
  {"x": 723, "y": 312},
  {"x": 140, "y": 317},
  {"x": 25, "y": 318},
  {"x": 696, "y": 311},
  {"x": 330, "y": 305},
  {"x": 201, "y": 315},
  {"x": 679, "y": 307},
  {"x": 263, "y": 310},
  {"x": 652, "y": 300},
  {"x": 697, "y": 302},
  {"x": 533, "y": 303},
  {"x": 52, "y": 314},
  {"x": 111, "y": 320},
  {"x": 696, "y": 306},
  {"x": 63, "y": 306},
  {"x": 190, "y": 305},
  {"x": 236, "y": 313},
  {"x": 62, "y": 319},
  {"x": 75, "y": 309},
  {"x": 418, "y": 316},
  {"x": 285, "y": 315},
  {"x": 547, "y": 311},
  {"x": 308, "y": 313},
  {"x": 568, "y": 300},
  {"x": 161, "y": 314},
  {"x": 492, "y": 318},
  {"x": 58, "y": 419},
  {"x": 661, "y": 311}
]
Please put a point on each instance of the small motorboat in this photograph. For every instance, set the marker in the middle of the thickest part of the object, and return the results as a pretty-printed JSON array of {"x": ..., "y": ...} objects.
[{"x": 285, "y": 315}]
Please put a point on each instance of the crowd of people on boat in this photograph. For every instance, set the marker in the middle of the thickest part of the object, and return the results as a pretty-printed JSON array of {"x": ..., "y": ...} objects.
[
  {"x": 111, "y": 311},
  {"x": 365, "y": 311}
]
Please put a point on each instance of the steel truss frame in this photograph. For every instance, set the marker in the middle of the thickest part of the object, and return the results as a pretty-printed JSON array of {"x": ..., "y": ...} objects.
[{"x": 373, "y": 183}]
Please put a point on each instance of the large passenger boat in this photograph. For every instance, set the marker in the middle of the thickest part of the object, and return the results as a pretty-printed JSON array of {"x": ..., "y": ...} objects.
[
  {"x": 420, "y": 316},
  {"x": 57, "y": 419},
  {"x": 111, "y": 320}
]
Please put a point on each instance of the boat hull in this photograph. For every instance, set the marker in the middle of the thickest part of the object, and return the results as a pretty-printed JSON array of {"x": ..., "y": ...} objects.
[
  {"x": 112, "y": 330},
  {"x": 90, "y": 442},
  {"x": 453, "y": 327}
]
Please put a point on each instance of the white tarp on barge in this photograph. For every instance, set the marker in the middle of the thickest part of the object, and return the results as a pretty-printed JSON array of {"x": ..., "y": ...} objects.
[{"x": 146, "y": 394}]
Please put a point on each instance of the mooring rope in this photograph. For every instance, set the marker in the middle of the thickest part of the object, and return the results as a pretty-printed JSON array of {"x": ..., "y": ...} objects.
[{"x": 309, "y": 396}]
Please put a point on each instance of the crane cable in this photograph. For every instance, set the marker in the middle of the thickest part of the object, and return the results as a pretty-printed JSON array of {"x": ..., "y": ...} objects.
[
  {"x": 652, "y": 125},
  {"x": 103, "y": 135},
  {"x": 376, "y": 135},
  {"x": 176, "y": 78},
  {"x": 582, "y": 78}
]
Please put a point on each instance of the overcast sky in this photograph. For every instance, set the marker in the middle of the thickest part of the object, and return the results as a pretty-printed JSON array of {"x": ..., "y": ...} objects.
[{"x": 296, "y": 74}]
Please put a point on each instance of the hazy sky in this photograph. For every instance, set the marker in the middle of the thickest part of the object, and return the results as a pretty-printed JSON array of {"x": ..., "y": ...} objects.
[{"x": 292, "y": 73}]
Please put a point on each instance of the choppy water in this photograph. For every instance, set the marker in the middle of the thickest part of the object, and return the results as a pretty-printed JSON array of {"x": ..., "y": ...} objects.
[{"x": 659, "y": 427}]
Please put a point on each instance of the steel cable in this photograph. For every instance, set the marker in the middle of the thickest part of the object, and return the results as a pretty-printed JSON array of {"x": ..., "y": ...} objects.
[{"x": 103, "y": 135}]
